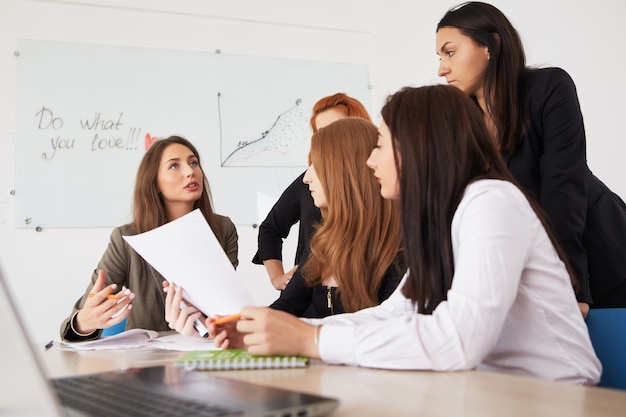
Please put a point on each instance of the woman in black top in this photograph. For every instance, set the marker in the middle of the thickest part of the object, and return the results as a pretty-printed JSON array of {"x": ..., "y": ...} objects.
[
  {"x": 534, "y": 116},
  {"x": 295, "y": 204}
]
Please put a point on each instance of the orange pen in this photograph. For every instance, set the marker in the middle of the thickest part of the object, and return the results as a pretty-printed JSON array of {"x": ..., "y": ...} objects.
[
  {"x": 226, "y": 319},
  {"x": 110, "y": 296}
]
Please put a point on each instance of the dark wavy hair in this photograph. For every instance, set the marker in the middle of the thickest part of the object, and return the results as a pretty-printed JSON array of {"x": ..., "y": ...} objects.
[
  {"x": 506, "y": 69},
  {"x": 443, "y": 144}
]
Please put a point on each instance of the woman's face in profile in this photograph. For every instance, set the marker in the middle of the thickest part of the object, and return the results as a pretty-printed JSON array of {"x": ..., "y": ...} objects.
[
  {"x": 315, "y": 187},
  {"x": 383, "y": 162},
  {"x": 462, "y": 61}
]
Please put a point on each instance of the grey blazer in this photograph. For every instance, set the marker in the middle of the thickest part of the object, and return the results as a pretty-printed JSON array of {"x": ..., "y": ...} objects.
[{"x": 125, "y": 267}]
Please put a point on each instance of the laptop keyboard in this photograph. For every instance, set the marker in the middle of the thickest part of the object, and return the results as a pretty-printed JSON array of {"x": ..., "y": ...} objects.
[{"x": 98, "y": 396}]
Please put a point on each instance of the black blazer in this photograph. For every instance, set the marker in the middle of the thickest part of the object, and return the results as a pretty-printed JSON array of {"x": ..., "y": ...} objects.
[{"x": 550, "y": 162}]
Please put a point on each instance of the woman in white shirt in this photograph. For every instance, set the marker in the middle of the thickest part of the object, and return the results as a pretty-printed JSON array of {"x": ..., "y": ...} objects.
[{"x": 486, "y": 288}]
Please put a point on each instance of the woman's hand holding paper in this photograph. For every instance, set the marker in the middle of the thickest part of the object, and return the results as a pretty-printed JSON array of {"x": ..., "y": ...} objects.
[{"x": 178, "y": 314}]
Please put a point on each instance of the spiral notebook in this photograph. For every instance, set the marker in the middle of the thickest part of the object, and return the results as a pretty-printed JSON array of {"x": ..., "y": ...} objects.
[{"x": 217, "y": 360}]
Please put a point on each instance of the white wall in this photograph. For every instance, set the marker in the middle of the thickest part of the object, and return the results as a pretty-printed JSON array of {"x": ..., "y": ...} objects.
[
  {"x": 584, "y": 38},
  {"x": 48, "y": 270}
]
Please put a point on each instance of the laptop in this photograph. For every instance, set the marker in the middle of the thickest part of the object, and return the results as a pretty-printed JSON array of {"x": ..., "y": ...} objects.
[{"x": 26, "y": 392}]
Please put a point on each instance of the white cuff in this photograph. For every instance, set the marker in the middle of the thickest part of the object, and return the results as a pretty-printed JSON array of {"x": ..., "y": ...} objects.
[{"x": 336, "y": 344}]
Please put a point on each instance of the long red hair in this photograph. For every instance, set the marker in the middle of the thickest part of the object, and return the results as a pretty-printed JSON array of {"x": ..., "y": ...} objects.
[{"x": 359, "y": 237}]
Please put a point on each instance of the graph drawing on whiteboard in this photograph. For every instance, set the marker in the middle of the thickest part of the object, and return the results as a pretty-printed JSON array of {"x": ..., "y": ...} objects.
[{"x": 288, "y": 130}]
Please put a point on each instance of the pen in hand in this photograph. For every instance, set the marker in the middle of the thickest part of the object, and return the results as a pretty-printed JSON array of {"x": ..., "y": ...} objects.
[
  {"x": 202, "y": 330},
  {"x": 118, "y": 296},
  {"x": 110, "y": 296},
  {"x": 197, "y": 324},
  {"x": 226, "y": 319}
]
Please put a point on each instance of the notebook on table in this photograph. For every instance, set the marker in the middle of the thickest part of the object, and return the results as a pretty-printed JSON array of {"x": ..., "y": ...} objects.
[
  {"x": 131, "y": 392},
  {"x": 233, "y": 359}
]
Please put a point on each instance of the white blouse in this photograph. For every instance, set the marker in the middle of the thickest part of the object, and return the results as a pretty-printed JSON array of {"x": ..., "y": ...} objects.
[{"x": 511, "y": 307}]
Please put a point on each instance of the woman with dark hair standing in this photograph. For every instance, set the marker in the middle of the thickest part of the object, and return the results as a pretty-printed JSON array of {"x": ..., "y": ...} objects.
[
  {"x": 486, "y": 286},
  {"x": 295, "y": 204},
  {"x": 534, "y": 117},
  {"x": 170, "y": 183}
]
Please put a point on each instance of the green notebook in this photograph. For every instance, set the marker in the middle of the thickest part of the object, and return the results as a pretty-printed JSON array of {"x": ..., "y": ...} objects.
[{"x": 216, "y": 360}]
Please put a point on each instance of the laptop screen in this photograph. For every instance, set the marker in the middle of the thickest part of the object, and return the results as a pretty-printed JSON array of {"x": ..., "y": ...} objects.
[{"x": 25, "y": 390}]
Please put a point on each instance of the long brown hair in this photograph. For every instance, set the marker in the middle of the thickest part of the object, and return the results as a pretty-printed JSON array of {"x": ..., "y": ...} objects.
[
  {"x": 352, "y": 107},
  {"x": 148, "y": 206},
  {"x": 359, "y": 238},
  {"x": 444, "y": 145},
  {"x": 506, "y": 68}
]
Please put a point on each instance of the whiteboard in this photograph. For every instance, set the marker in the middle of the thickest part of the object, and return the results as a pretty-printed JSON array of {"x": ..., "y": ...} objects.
[{"x": 86, "y": 114}]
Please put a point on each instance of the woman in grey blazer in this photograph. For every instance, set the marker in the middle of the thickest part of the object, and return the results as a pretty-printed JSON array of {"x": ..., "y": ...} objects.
[{"x": 170, "y": 183}]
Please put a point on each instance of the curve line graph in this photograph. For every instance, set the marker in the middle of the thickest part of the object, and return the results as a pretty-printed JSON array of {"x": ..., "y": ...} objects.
[{"x": 289, "y": 129}]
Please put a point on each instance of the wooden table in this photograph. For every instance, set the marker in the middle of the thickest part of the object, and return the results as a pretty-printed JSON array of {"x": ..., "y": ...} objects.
[{"x": 374, "y": 392}]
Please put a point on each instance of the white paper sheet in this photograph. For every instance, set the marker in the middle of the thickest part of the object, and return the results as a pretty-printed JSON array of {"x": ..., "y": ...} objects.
[
  {"x": 141, "y": 339},
  {"x": 177, "y": 341},
  {"x": 134, "y": 338},
  {"x": 185, "y": 251}
]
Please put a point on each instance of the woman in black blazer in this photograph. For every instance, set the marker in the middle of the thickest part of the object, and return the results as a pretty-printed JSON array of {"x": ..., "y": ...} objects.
[
  {"x": 295, "y": 204},
  {"x": 534, "y": 115}
]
